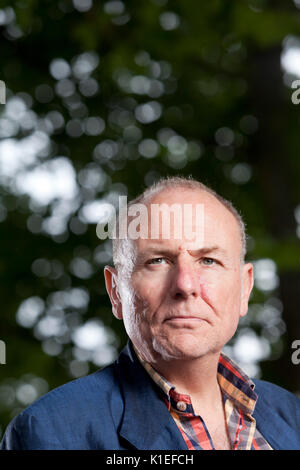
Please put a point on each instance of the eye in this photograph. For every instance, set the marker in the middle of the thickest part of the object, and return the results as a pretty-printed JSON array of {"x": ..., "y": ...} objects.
[
  {"x": 156, "y": 261},
  {"x": 209, "y": 261}
]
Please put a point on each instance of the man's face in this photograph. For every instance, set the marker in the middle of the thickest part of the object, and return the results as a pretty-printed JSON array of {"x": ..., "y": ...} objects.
[{"x": 183, "y": 299}]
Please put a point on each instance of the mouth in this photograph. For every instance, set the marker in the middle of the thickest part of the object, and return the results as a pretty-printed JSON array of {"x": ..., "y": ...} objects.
[{"x": 181, "y": 318}]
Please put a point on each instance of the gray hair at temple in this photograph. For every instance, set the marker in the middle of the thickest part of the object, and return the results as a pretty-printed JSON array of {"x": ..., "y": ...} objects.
[{"x": 122, "y": 247}]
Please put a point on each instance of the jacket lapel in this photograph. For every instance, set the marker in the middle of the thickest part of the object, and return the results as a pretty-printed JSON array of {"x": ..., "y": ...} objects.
[{"x": 147, "y": 423}]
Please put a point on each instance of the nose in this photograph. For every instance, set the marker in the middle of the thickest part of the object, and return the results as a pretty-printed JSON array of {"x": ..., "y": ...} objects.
[{"x": 185, "y": 282}]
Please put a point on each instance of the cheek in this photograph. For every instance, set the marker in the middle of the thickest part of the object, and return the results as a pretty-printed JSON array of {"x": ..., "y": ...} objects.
[
  {"x": 151, "y": 286},
  {"x": 221, "y": 292},
  {"x": 208, "y": 290},
  {"x": 211, "y": 287}
]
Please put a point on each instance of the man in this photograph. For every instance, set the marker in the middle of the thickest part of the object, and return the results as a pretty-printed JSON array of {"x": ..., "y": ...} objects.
[{"x": 180, "y": 295}]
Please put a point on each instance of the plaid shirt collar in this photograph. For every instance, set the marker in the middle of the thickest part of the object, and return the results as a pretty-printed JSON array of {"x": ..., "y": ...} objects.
[{"x": 233, "y": 381}]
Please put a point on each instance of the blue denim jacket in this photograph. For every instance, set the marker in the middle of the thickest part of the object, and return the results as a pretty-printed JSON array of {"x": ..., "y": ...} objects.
[{"x": 119, "y": 408}]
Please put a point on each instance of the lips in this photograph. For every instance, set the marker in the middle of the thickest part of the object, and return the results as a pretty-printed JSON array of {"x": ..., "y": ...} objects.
[{"x": 184, "y": 318}]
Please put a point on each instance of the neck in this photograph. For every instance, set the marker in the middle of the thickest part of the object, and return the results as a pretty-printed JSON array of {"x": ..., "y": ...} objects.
[{"x": 196, "y": 377}]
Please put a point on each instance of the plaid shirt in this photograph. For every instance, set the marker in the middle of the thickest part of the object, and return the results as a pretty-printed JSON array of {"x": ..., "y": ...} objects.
[{"x": 239, "y": 401}]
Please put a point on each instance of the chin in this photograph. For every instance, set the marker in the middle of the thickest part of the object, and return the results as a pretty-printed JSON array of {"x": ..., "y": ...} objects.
[{"x": 181, "y": 349}]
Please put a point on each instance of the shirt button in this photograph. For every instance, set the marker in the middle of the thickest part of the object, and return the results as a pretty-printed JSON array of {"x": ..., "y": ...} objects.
[{"x": 181, "y": 405}]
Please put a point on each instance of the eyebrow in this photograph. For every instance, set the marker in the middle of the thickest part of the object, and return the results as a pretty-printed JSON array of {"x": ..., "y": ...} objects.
[{"x": 207, "y": 250}]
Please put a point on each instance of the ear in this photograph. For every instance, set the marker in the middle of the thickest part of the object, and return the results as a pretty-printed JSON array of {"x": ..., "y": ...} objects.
[
  {"x": 247, "y": 285},
  {"x": 110, "y": 275}
]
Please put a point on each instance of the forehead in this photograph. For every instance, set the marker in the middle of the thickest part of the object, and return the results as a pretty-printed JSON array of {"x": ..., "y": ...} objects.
[{"x": 214, "y": 225}]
